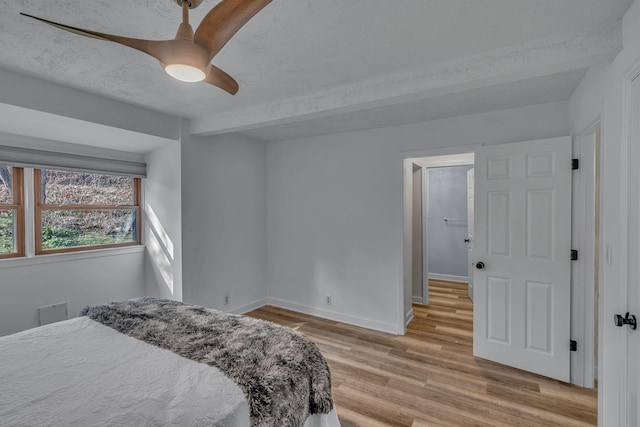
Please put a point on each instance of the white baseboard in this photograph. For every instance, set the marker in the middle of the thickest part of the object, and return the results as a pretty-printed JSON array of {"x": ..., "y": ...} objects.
[
  {"x": 249, "y": 307},
  {"x": 408, "y": 317},
  {"x": 417, "y": 300},
  {"x": 332, "y": 315},
  {"x": 448, "y": 277}
]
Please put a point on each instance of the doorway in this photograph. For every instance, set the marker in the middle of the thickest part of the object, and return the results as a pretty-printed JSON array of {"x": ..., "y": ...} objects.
[
  {"x": 588, "y": 311},
  {"x": 439, "y": 221}
]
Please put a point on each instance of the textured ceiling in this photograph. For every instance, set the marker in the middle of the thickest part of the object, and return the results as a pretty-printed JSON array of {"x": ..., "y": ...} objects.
[{"x": 291, "y": 49}]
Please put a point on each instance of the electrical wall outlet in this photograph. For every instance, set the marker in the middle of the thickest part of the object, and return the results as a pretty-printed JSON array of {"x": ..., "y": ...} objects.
[
  {"x": 328, "y": 299},
  {"x": 226, "y": 299}
]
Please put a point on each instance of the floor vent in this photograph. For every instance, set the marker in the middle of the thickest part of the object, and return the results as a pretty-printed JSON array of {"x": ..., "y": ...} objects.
[{"x": 53, "y": 313}]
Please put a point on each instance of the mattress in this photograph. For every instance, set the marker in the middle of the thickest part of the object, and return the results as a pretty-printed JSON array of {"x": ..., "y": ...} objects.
[{"x": 82, "y": 373}]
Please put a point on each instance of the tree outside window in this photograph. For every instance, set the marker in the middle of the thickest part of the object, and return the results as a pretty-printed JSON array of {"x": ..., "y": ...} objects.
[{"x": 79, "y": 211}]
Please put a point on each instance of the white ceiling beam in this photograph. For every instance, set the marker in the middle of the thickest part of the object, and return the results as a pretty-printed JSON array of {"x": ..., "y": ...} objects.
[
  {"x": 534, "y": 59},
  {"x": 31, "y": 93}
]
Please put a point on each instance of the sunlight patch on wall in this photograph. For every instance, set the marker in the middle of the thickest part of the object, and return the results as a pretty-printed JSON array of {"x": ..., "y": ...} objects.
[
  {"x": 159, "y": 259},
  {"x": 160, "y": 232},
  {"x": 159, "y": 247}
]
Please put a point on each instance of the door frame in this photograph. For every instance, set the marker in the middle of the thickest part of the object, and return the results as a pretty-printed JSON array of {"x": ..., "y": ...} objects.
[
  {"x": 615, "y": 144},
  {"x": 431, "y": 163},
  {"x": 404, "y": 204},
  {"x": 583, "y": 270},
  {"x": 424, "y": 300},
  {"x": 620, "y": 340},
  {"x": 426, "y": 163}
]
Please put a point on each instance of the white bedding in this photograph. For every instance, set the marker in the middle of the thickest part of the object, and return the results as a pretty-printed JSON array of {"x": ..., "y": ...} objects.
[{"x": 82, "y": 373}]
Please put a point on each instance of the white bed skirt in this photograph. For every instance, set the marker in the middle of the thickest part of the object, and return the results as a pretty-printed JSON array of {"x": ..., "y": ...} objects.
[{"x": 82, "y": 373}]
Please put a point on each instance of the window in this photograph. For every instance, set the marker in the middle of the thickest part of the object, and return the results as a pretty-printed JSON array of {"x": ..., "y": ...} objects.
[
  {"x": 11, "y": 212},
  {"x": 48, "y": 206},
  {"x": 79, "y": 211}
]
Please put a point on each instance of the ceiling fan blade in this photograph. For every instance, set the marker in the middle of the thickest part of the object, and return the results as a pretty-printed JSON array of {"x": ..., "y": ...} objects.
[
  {"x": 219, "y": 78},
  {"x": 156, "y": 48},
  {"x": 224, "y": 20}
]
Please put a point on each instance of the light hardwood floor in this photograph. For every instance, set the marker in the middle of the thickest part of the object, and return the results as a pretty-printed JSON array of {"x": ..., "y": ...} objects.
[{"x": 429, "y": 377}]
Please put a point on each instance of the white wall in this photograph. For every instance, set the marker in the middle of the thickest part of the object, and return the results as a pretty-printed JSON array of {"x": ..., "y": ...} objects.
[
  {"x": 80, "y": 279},
  {"x": 224, "y": 222},
  {"x": 601, "y": 96},
  {"x": 163, "y": 223},
  {"x": 334, "y": 209}
]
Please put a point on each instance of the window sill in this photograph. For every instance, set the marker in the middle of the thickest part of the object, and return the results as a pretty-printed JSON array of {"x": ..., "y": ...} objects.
[{"x": 68, "y": 256}]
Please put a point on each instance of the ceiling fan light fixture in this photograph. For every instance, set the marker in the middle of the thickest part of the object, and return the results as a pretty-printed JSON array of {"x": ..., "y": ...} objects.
[
  {"x": 185, "y": 73},
  {"x": 188, "y": 56}
]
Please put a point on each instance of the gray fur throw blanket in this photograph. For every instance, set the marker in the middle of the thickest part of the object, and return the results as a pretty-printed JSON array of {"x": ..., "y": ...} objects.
[{"x": 282, "y": 374}]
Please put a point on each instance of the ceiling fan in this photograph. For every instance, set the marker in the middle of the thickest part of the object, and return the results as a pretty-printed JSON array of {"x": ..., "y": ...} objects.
[{"x": 188, "y": 56}]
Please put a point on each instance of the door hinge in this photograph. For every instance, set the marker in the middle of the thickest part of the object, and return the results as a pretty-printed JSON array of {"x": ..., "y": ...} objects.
[
  {"x": 573, "y": 345},
  {"x": 574, "y": 255},
  {"x": 575, "y": 164}
]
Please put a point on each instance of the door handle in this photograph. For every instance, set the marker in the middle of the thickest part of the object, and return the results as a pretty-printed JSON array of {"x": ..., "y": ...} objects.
[
  {"x": 480, "y": 265},
  {"x": 466, "y": 240},
  {"x": 626, "y": 320}
]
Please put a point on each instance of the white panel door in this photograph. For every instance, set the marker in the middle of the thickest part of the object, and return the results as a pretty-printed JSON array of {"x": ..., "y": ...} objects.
[
  {"x": 470, "y": 224},
  {"x": 633, "y": 283},
  {"x": 523, "y": 238}
]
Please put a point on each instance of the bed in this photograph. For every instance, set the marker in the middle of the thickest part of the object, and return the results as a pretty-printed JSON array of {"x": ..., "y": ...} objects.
[{"x": 153, "y": 362}]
